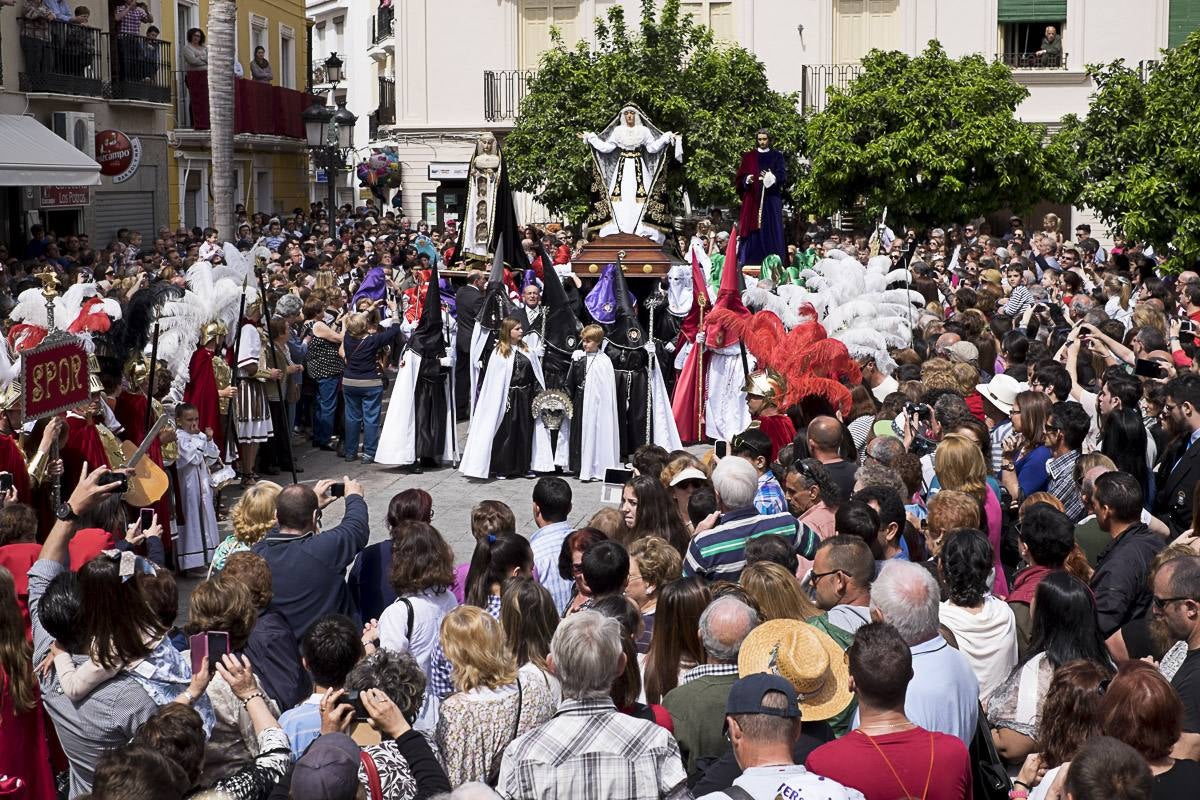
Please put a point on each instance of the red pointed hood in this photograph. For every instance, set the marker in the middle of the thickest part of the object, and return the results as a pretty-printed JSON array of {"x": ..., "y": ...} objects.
[
  {"x": 720, "y": 327},
  {"x": 691, "y": 322}
]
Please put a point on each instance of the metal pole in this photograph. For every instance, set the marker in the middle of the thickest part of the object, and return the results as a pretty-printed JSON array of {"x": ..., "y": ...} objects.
[
  {"x": 150, "y": 378},
  {"x": 331, "y": 172}
]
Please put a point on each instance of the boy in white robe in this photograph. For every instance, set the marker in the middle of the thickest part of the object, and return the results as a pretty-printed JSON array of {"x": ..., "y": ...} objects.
[{"x": 198, "y": 536}]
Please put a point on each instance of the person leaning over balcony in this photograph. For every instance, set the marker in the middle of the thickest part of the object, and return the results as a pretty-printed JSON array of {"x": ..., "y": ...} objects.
[
  {"x": 260, "y": 68},
  {"x": 195, "y": 54}
]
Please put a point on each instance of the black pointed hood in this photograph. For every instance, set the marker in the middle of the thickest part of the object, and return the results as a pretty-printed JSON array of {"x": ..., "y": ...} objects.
[
  {"x": 429, "y": 338},
  {"x": 562, "y": 326},
  {"x": 626, "y": 331},
  {"x": 506, "y": 231},
  {"x": 496, "y": 302}
]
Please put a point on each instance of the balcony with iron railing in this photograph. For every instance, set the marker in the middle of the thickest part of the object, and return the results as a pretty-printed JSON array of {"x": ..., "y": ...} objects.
[
  {"x": 386, "y": 112},
  {"x": 61, "y": 58},
  {"x": 503, "y": 91},
  {"x": 382, "y": 24},
  {"x": 1035, "y": 60},
  {"x": 817, "y": 79},
  {"x": 140, "y": 68}
]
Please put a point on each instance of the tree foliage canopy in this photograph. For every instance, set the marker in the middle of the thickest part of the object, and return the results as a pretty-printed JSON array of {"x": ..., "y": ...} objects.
[
  {"x": 932, "y": 138},
  {"x": 715, "y": 95},
  {"x": 1137, "y": 152}
]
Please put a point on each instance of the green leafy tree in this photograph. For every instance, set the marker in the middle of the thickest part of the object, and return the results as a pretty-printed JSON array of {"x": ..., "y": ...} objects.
[
  {"x": 1138, "y": 152},
  {"x": 932, "y": 138},
  {"x": 715, "y": 95}
]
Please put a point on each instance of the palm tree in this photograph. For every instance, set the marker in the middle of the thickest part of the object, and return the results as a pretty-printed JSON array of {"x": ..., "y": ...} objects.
[{"x": 222, "y": 16}]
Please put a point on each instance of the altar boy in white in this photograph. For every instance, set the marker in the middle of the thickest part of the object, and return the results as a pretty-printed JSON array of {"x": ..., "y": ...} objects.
[
  {"x": 198, "y": 535},
  {"x": 592, "y": 442}
]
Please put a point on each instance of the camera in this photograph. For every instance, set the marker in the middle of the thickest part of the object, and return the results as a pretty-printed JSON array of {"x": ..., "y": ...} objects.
[
  {"x": 337, "y": 489},
  {"x": 6, "y": 482},
  {"x": 353, "y": 698},
  {"x": 119, "y": 478},
  {"x": 921, "y": 410}
]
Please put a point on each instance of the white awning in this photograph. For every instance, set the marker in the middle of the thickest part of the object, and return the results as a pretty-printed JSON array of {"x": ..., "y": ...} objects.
[{"x": 31, "y": 155}]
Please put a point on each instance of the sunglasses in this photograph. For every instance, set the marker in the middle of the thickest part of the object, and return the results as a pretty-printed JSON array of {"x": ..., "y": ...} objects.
[{"x": 1161, "y": 603}]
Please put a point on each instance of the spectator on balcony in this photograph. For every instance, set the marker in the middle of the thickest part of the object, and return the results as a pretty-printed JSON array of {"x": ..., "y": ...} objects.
[
  {"x": 62, "y": 12},
  {"x": 131, "y": 53},
  {"x": 150, "y": 54},
  {"x": 1049, "y": 54},
  {"x": 195, "y": 54},
  {"x": 260, "y": 68},
  {"x": 35, "y": 37}
]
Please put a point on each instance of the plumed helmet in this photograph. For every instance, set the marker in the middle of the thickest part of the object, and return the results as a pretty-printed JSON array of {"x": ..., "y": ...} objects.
[
  {"x": 767, "y": 384},
  {"x": 94, "y": 383},
  {"x": 10, "y": 396},
  {"x": 137, "y": 372}
]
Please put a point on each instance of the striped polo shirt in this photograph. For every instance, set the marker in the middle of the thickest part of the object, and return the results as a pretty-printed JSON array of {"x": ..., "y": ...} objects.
[{"x": 720, "y": 553}]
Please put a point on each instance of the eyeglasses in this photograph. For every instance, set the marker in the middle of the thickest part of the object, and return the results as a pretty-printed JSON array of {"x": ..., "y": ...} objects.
[
  {"x": 1051, "y": 428},
  {"x": 816, "y": 576},
  {"x": 1161, "y": 603}
]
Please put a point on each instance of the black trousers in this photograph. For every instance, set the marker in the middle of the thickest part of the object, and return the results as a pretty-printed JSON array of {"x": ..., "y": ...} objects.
[{"x": 462, "y": 385}]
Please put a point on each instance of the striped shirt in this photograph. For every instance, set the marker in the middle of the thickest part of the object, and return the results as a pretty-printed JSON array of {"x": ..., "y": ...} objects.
[
  {"x": 720, "y": 553},
  {"x": 1062, "y": 483},
  {"x": 1018, "y": 301},
  {"x": 770, "y": 499}
]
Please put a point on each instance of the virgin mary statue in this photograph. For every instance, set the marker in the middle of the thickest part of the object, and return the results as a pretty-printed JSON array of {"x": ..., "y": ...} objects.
[{"x": 629, "y": 156}]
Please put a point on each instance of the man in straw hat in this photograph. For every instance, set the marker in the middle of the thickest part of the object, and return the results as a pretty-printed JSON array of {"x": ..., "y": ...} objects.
[
  {"x": 888, "y": 755},
  {"x": 763, "y": 718}
]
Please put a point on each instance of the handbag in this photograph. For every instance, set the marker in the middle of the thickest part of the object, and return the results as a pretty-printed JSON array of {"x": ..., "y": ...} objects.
[
  {"x": 990, "y": 778},
  {"x": 493, "y": 776},
  {"x": 374, "y": 786}
]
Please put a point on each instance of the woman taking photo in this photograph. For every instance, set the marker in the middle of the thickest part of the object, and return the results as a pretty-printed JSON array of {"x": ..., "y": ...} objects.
[
  {"x": 490, "y": 706},
  {"x": 650, "y": 511},
  {"x": 505, "y": 440}
]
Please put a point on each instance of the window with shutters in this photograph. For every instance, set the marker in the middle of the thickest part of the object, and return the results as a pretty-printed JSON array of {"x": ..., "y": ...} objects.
[
  {"x": 860, "y": 26},
  {"x": 716, "y": 14},
  {"x": 537, "y": 18},
  {"x": 1031, "y": 33},
  {"x": 1183, "y": 17}
]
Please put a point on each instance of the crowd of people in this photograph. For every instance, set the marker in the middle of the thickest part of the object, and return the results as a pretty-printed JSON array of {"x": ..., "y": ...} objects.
[{"x": 948, "y": 557}]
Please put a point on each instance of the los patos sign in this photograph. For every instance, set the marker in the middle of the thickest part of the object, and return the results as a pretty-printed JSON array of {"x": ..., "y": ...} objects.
[{"x": 118, "y": 155}]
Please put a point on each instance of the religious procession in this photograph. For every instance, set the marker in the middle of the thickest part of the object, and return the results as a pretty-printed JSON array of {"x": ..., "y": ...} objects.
[{"x": 840, "y": 441}]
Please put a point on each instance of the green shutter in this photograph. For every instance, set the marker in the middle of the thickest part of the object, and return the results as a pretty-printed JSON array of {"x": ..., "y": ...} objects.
[
  {"x": 1184, "y": 18},
  {"x": 1036, "y": 10}
]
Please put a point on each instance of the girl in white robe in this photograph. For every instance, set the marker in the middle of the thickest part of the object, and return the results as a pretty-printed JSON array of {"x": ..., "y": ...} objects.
[
  {"x": 504, "y": 437},
  {"x": 199, "y": 535}
]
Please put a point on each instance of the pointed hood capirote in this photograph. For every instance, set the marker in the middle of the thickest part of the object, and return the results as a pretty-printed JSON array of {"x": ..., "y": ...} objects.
[
  {"x": 428, "y": 340},
  {"x": 496, "y": 302},
  {"x": 625, "y": 331},
  {"x": 562, "y": 327}
]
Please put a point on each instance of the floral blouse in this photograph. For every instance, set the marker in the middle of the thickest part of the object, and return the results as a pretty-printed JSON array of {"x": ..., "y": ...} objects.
[{"x": 475, "y": 726}]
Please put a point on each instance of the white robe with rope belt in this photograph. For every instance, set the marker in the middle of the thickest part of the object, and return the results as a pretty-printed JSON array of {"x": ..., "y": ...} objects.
[
  {"x": 489, "y": 411},
  {"x": 600, "y": 438}
]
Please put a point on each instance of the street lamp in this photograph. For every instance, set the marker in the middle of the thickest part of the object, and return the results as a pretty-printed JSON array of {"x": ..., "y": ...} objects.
[{"x": 330, "y": 134}]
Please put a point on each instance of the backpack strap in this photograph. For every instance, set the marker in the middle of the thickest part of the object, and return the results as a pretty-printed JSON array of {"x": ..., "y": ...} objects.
[
  {"x": 408, "y": 625},
  {"x": 737, "y": 793}
]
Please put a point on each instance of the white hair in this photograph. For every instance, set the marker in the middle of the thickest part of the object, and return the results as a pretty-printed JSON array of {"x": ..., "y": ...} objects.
[
  {"x": 733, "y": 620},
  {"x": 906, "y": 596},
  {"x": 735, "y": 480},
  {"x": 586, "y": 649}
]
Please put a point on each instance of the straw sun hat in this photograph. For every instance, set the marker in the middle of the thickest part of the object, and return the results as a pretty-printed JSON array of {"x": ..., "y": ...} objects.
[{"x": 808, "y": 658}]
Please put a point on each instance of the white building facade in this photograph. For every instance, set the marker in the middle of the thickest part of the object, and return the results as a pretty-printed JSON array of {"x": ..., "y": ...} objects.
[{"x": 459, "y": 67}]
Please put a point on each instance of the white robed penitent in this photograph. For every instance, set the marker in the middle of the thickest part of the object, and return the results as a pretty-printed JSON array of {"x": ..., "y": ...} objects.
[
  {"x": 664, "y": 432},
  {"x": 600, "y": 436},
  {"x": 398, "y": 439},
  {"x": 199, "y": 536},
  {"x": 725, "y": 411},
  {"x": 489, "y": 411}
]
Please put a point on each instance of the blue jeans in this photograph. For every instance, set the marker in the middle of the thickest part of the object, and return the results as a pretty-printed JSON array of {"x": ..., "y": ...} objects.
[
  {"x": 326, "y": 407},
  {"x": 363, "y": 406}
]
